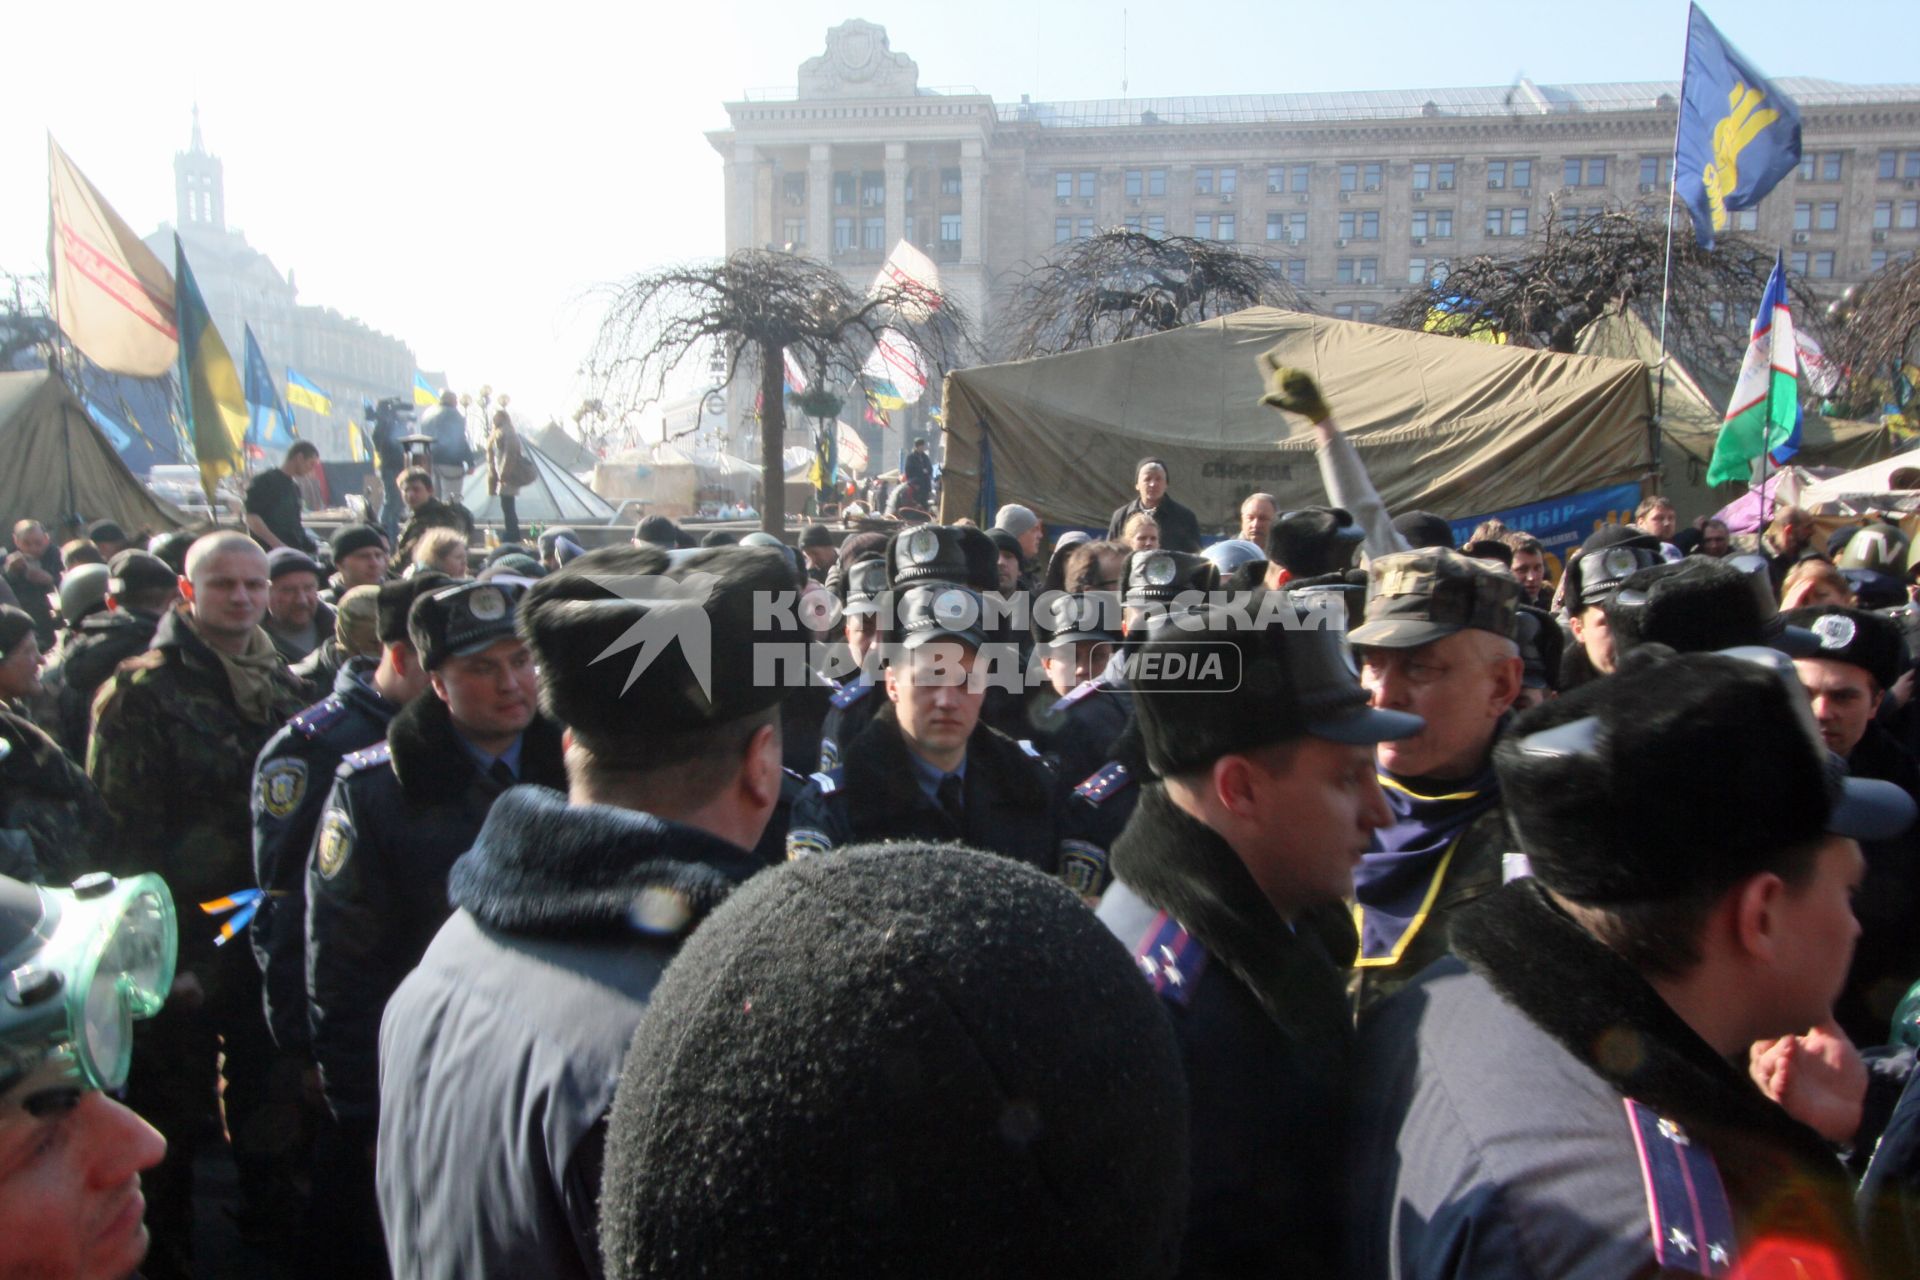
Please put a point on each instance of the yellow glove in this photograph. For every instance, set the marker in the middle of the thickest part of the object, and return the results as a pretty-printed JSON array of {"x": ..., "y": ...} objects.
[{"x": 1293, "y": 389}]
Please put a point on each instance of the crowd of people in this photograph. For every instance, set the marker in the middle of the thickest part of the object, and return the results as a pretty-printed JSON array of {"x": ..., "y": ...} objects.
[{"x": 1322, "y": 899}]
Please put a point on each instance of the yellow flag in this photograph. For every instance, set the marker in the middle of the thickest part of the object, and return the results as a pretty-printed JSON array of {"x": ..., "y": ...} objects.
[{"x": 210, "y": 391}]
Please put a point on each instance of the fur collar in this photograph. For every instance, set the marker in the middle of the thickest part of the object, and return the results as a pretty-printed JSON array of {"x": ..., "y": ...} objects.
[
  {"x": 434, "y": 766},
  {"x": 543, "y": 866},
  {"x": 1183, "y": 867},
  {"x": 1588, "y": 997},
  {"x": 876, "y": 764}
]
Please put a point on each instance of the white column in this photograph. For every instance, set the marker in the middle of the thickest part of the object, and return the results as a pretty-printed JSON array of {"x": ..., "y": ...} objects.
[
  {"x": 820, "y": 200},
  {"x": 973, "y": 168},
  {"x": 896, "y": 194},
  {"x": 741, "y": 189}
]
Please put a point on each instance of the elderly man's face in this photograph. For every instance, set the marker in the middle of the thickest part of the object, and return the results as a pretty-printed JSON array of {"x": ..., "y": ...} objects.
[
  {"x": 33, "y": 541},
  {"x": 1030, "y": 540},
  {"x": 1150, "y": 483},
  {"x": 1715, "y": 540},
  {"x": 1256, "y": 517},
  {"x": 292, "y": 599}
]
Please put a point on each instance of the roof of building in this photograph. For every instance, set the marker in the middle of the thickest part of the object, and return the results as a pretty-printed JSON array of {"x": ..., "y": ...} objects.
[{"x": 1522, "y": 98}]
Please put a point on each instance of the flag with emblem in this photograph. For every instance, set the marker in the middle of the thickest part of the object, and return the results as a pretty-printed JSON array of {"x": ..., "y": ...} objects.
[
  {"x": 1765, "y": 412},
  {"x": 1737, "y": 136}
]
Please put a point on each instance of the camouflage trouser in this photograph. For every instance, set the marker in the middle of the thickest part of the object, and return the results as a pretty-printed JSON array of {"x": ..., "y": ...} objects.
[{"x": 197, "y": 1070}]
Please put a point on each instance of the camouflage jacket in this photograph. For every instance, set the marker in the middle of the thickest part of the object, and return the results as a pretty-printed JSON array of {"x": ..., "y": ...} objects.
[
  {"x": 56, "y": 828},
  {"x": 173, "y": 759}
]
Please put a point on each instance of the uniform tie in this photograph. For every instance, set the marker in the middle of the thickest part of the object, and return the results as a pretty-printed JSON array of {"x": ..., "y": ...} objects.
[
  {"x": 501, "y": 775},
  {"x": 953, "y": 799}
]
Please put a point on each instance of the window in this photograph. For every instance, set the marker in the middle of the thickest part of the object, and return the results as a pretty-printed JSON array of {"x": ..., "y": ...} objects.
[
  {"x": 843, "y": 188},
  {"x": 1089, "y": 183},
  {"x": 1302, "y": 174},
  {"x": 1521, "y": 174},
  {"x": 1910, "y": 164},
  {"x": 1496, "y": 222},
  {"x": 873, "y": 233},
  {"x": 1516, "y": 222},
  {"x": 1357, "y": 271},
  {"x": 1368, "y": 312},
  {"x": 1442, "y": 175},
  {"x": 1277, "y": 224},
  {"x": 794, "y": 231},
  {"x": 1496, "y": 174},
  {"x": 1653, "y": 171},
  {"x": 842, "y": 234},
  {"x": 1297, "y": 271},
  {"x": 1156, "y": 224},
  {"x": 1422, "y": 176},
  {"x": 1136, "y": 183},
  {"x": 1441, "y": 270},
  {"x": 1883, "y": 212},
  {"x": 1889, "y": 165},
  {"x": 1156, "y": 182},
  {"x": 1370, "y": 177},
  {"x": 1229, "y": 182},
  {"x": 873, "y": 190},
  {"x": 1343, "y": 271},
  {"x": 1276, "y": 179},
  {"x": 1363, "y": 224},
  {"x": 1907, "y": 216},
  {"x": 949, "y": 182},
  {"x": 1822, "y": 266},
  {"x": 1062, "y": 185},
  {"x": 1877, "y": 260},
  {"x": 1821, "y": 167},
  {"x": 1343, "y": 311},
  {"x": 1132, "y": 223},
  {"x": 1203, "y": 182},
  {"x": 1287, "y": 226},
  {"x": 1827, "y": 216},
  {"x": 1416, "y": 271},
  {"x": 1570, "y": 172},
  {"x": 1203, "y": 226},
  {"x": 1062, "y": 230},
  {"x": 1421, "y": 223},
  {"x": 1803, "y": 216},
  {"x": 1085, "y": 228},
  {"x": 1590, "y": 172},
  {"x": 1797, "y": 263},
  {"x": 1349, "y": 177},
  {"x": 1746, "y": 219},
  {"x": 1225, "y": 227},
  {"x": 949, "y": 228},
  {"x": 1442, "y": 223},
  {"x": 793, "y": 187}
]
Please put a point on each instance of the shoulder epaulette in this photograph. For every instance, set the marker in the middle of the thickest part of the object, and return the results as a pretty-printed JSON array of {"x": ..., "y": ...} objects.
[
  {"x": 827, "y": 782},
  {"x": 1170, "y": 958},
  {"x": 1687, "y": 1205},
  {"x": 1107, "y": 781},
  {"x": 848, "y": 694},
  {"x": 1080, "y": 693},
  {"x": 358, "y": 761},
  {"x": 316, "y": 718}
]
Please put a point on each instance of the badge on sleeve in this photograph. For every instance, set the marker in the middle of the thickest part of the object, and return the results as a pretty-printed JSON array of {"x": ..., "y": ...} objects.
[
  {"x": 336, "y": 843},
  {"x": 803, "y": 842},
  {"x": 282, "y": 785}
]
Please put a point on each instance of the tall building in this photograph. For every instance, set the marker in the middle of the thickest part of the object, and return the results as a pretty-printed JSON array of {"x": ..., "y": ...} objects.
[
  {"x": 348, "y": 359},
  {"x": 1360, "y": 195}
]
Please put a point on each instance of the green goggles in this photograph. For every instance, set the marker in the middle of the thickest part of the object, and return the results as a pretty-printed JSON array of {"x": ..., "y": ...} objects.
[{"x": 77, "y": 967}]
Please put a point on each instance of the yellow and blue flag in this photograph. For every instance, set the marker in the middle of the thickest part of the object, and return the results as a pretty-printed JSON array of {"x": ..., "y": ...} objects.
[
  {"x": 212, "y": 404},
  {"x": 269, "y": 425},
  {"x": 302, "y": 392},
  {"x": 422, "y": 393},
  {"x": 1738, "y": 135}
]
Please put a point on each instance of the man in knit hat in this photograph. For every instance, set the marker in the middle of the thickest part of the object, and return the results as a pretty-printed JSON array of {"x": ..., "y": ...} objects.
[
  {"x": 507, "y": 1039},
  {"x": 1565, "y": 1096}
]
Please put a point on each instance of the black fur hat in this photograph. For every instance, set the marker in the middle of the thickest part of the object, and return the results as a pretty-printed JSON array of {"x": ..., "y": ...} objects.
[
  {"x": 1870, "y": 641},
  {"x": 603, "y": 675},
  {"x": 396, "y": 603},
  {"x": 1424, "y": 529},
  {"x": 1698, "y": 605},
  {"x": 1314, "y": 541},
  {"x": 903, "y": 1060},
  {"x": 1607, "y": 797}
]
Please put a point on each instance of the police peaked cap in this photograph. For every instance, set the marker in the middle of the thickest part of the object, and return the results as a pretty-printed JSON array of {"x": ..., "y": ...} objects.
[
  {"x": 943, "y": 553},
  {"x": 396, "y": 602},
  {"x": 1870, "y": 641},
  {"x": 592, "y": 623}
]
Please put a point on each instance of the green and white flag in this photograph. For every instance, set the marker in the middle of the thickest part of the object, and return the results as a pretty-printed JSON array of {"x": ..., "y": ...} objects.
[{"x": 1765, "y": 412}]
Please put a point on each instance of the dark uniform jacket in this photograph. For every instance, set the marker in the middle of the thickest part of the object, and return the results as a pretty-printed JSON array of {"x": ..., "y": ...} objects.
[
  {"x": 1179, "y": 527},
  {"x": 53, "y": 826},
  {"x": 1080, "y": 728},
  {"x": 399, "y": 816},
  {"x": 101, "y": 643},
  {"x": 1886, "y": 960},
  {"x": 291, "y": 780},
  {"x": 1531, "y": 1107},
  {"x": 1258, "y": 1009},
  {"x": 1013, "y": 805},
  {"x": 849, "y": 710},
  {"x": 173, "y": 758},
  {"x": 500, "y": 1052},
  {"x": 318, "y": 670}
]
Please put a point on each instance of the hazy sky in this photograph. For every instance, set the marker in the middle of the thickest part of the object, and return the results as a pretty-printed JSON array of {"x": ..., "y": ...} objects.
[{"x": 461, "y": 176}]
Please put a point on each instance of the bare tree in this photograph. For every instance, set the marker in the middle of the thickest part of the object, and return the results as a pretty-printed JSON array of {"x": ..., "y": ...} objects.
[
  {"x": 1571, "y": 273},
  {"x": 1878, "y": 333},
  {"x": 1125, "y": 284},
  {"x": 26, "y": 319},
  {"x": 758, "y": 304}
]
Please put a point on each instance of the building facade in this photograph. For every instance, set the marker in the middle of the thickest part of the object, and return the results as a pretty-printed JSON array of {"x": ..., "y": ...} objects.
[
  {"x": 1358, "y": 196},
  {"x": 346, "y": 358}
]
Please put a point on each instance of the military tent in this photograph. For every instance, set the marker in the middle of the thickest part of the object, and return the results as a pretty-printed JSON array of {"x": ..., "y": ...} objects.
[
  {"x": 554, "y": 441},
  {"x": 55, "y": 464},
  {"x": 1458, "y": 428},
  {"x": 555, "y": 496}
]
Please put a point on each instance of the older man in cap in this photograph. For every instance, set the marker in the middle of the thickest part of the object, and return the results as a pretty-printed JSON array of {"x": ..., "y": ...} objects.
[
  {"x": 1179, "y": 527},
  {"x": 1567, "y": 1096},
  {"x": 499, "y": 1053},
  {"x": 296, "y": 619},
  {"x": 1229, "y": 879},
  {"x": 1438, "y": 642},
  {"x": 360, "y": 558},
  {"x": 926, "y": 767}
]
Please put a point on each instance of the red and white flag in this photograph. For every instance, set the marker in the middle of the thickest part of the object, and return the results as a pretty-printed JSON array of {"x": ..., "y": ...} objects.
[{"x": 112, "y": 296}]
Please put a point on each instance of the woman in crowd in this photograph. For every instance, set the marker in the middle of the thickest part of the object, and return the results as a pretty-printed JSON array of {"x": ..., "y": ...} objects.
[
  {"x": 1141, "y": 533},
  {"x": 442, "y": 549},
  {"x": 508, "y": 469}
]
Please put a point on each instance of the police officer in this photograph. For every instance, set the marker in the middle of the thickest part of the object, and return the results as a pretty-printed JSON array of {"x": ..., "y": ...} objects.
[
  {"x": 926, "y": 767},
  {"x": 175, "y": 734},
  {"x": 1608, "y": 558},
  {"x": 499, "y": 1053},
  {"x": 1311, "y": 544},
  {"x": 852, "y": 704},
  {"x": 1266, "y": 798},
  {"x": 1561, "y": 1096},
  {"x": 397, "y": 818},
  {"x": 291, "y": 780}
]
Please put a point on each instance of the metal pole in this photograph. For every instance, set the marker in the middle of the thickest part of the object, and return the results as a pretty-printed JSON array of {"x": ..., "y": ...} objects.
[{"x": 1666, "y": 271}]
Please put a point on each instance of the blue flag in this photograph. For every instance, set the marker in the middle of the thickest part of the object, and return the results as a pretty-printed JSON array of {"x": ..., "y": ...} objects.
[
  {"x": 1738, "y": 134},
  {"x": 269, "y": 425}
]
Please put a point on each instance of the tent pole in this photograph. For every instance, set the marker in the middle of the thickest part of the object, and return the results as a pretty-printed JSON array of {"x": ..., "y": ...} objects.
[{"x": 1666, "y": 271}]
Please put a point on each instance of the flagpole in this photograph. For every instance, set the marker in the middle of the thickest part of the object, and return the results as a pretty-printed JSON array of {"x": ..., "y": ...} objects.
[{"x": 1666, "y": 271}]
